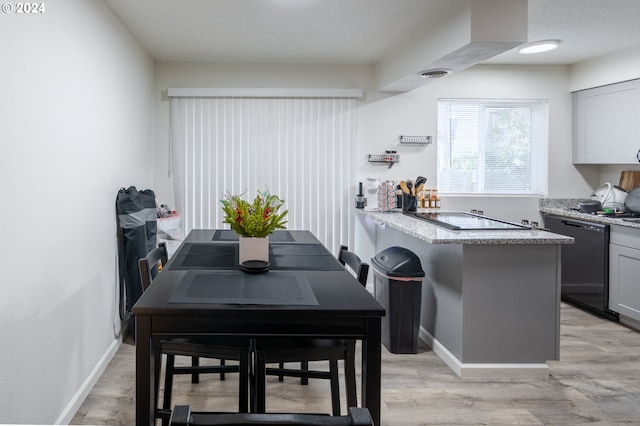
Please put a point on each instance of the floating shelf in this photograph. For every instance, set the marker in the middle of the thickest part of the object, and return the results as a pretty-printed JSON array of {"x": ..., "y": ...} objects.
[
  {"x": 415, "y": 140},
  {"x": 389, "y": 159}
]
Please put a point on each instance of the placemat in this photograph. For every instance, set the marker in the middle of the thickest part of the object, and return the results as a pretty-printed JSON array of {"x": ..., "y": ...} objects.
[
  {"x": 239, "y": 288},
  {"x": 298, "y": 249},
  {"x": 283, "y": 256},
  {"x": 279, "y": 236},
  {"x": 206, "y": 256},
  {"x": 305, "y": 263}
]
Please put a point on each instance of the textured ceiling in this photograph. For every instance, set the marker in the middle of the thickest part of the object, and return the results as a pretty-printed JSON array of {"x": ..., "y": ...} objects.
[{"x": 355, "y": 31}]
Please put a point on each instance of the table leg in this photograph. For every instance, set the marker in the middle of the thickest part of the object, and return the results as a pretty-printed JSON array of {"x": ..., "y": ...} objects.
[
  {"x": 144, "y": 372},
  {"x": 371, "y": 369}
]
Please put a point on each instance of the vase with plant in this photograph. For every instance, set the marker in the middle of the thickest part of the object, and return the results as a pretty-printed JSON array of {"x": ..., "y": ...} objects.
[{"x": 254, "y": 222}]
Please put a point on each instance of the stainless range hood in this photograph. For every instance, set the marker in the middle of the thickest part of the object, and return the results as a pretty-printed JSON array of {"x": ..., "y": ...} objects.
[{"x": 471, "y": 32}]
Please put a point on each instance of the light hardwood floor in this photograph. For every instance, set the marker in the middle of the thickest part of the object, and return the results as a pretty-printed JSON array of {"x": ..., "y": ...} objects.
[{"x": 596, "y": 382}]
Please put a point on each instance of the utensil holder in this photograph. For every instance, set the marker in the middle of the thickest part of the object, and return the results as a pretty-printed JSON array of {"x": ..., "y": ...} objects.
[{"x": 409, "y": 203}]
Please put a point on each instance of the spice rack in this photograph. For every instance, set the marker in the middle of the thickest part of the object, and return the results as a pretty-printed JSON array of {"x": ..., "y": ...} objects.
[
  {"x": 414, "y": 140},
  {"x": 389, "y": 158}
]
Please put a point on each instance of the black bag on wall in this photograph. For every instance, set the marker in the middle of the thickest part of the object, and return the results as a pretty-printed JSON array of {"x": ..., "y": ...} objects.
[{"x": 137, "y": 229}]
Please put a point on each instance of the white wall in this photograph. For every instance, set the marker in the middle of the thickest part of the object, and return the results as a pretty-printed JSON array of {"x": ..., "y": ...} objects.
[
  {"x": 76, "y": 112},
  {"x": 415, "y": 113},
  {"x": 613, "y": 68}
]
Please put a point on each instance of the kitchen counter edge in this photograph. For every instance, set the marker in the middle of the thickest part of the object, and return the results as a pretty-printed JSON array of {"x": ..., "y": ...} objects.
[
  {"x": 560, "y": 207},
  {"x": 433, "y": 234}
]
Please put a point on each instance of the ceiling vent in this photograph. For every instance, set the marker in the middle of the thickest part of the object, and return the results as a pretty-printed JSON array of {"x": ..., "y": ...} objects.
[{"x": 435, "y": 73}]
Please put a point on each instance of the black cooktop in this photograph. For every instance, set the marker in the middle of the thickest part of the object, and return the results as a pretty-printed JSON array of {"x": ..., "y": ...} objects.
[{"x": 459, "y": 221}]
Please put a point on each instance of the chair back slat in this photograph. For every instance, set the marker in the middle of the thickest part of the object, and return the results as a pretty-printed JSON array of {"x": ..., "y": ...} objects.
[
  {"x": 351, "y": 259},
  {"x": 148, "y": 266}
]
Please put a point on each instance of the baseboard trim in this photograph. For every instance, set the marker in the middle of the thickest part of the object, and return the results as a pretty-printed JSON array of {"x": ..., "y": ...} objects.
[
  {"x": 484, "y": 371},
  {"x": 77, "y": 400}
]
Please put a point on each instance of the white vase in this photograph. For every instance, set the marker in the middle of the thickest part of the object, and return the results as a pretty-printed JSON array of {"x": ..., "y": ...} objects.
[{"x": 253, "y": 248}]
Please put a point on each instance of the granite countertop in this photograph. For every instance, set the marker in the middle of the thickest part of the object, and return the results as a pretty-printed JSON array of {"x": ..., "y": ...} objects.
[
  {"x": 434, "y": 234},
  {"x": 561, "y": 206}
]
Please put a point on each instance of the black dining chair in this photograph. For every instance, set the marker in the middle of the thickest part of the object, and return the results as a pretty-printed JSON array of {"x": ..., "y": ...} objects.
[
  {"x": 220, "y": 348},
  {"x": 283, "y": 350},
  {"x": 183, "y": 416}
]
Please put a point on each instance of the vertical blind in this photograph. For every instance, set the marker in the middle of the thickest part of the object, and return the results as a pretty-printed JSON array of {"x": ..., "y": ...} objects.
[{"x": 301, "y": 149}]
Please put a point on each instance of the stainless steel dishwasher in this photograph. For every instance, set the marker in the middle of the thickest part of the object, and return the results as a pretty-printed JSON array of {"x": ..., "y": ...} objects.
[{"x": 585, "y": 264}]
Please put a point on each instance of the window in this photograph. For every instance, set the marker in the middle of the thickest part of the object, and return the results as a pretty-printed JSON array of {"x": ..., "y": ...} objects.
[{"x": 496, "y": 147}]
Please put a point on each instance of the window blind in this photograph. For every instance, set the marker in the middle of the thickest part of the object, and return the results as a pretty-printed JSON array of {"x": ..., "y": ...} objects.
[
  {"x": 492, "y": 146},
  {"x": 302, "y": 149}
]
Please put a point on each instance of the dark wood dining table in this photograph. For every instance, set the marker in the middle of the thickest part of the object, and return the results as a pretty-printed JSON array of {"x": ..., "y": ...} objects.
[{"x": 201, "y": 291}]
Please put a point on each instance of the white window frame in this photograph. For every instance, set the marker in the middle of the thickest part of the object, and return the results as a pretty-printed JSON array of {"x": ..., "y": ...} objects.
[{"x": 473, "y": 182}]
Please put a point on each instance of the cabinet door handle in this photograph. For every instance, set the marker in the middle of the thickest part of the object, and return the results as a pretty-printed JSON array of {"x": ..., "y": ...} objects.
[{"x": 638, "y": 156}]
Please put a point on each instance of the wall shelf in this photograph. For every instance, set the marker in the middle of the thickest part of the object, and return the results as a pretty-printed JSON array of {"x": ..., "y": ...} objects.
[
  {"x": 387, "y": 158},
  {"x": 414, "y": 140}
]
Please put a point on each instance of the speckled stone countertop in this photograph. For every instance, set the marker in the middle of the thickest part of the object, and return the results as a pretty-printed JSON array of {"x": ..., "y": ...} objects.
[
  {"x": 562, "y": 206},
  {"x": 433, "y": 234}
]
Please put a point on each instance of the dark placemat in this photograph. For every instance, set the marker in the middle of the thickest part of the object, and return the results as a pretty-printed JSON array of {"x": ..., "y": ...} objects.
[
  {"x": 239, "y": 288},
  {"x": 206, "y": 256},
  {"x": 279, "y": 236},
  {"x": 305, "y": 263},
  {"x": 298, "y": 250},
  {"x": 283, "y": 256}
]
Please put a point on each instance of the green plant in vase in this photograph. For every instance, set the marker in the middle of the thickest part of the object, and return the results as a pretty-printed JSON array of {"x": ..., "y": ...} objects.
[{"x": 254, "y": 219}]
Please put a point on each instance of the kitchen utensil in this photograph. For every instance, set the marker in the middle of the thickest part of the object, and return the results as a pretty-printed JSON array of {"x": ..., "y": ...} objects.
[
  {"x": 421, "y": 180},
  {"x": 410, "y": 187},
  {"x": 590, "y": 206},
  {"x": 611, "y": 196},
  {"x": 629, "y": 179},
  {"x": 404, "y": 187},
  {"x": 419, "y": 188},
  {"x": 632, "y": 202}
]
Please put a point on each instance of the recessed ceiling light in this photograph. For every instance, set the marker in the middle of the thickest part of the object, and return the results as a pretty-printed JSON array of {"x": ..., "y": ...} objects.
[
  {"x": 538, "y": 46},
  {"x": 435, "y": 73}
]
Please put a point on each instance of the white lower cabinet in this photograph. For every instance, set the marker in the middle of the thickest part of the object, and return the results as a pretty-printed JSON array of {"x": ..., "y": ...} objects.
[{"x": 624, "y": 271}]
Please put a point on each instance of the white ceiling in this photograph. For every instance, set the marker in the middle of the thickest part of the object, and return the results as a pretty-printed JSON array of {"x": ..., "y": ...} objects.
[{"x": 355, "y": 31}]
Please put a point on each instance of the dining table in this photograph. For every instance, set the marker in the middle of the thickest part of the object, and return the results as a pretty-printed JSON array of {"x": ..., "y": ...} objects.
[{"x": 202, "y": 291}]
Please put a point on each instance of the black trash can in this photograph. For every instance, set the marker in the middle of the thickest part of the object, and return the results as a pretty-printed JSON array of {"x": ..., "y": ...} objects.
[{"x": 398, "y": 288}]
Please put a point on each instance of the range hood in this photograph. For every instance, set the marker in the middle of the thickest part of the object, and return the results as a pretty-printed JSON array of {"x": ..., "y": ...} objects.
[{"x": 471, "y": 32}]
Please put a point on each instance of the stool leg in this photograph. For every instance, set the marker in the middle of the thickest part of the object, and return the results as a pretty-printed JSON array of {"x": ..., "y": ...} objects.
[
  {"x": 156, "y": 372},
  {"x": 281, "y": 366},
  {"x": 335, "y": 387},
  {"x": 168, "y": 386},
  {"x": 222, "y": 364},
  {"x": 252, "y": 376},
  {"x": 304, "y": 367},
  {"x": 260, "y": 375},
  {"x": 195, "y": 362},
  {"x": 243, "y": 402},
  {"x": 350, "y": 374}
]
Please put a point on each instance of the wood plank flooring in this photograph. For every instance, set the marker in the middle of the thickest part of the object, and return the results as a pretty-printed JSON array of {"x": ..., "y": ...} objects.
[{"x": 596, "y": 382}]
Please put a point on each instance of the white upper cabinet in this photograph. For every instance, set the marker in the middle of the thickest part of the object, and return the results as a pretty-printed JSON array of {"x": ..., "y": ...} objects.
[{"x": 606, "y": 124}]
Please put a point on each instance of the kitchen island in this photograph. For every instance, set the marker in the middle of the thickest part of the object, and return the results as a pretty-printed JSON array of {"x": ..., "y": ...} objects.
[{"x": 490, "y": 299}]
